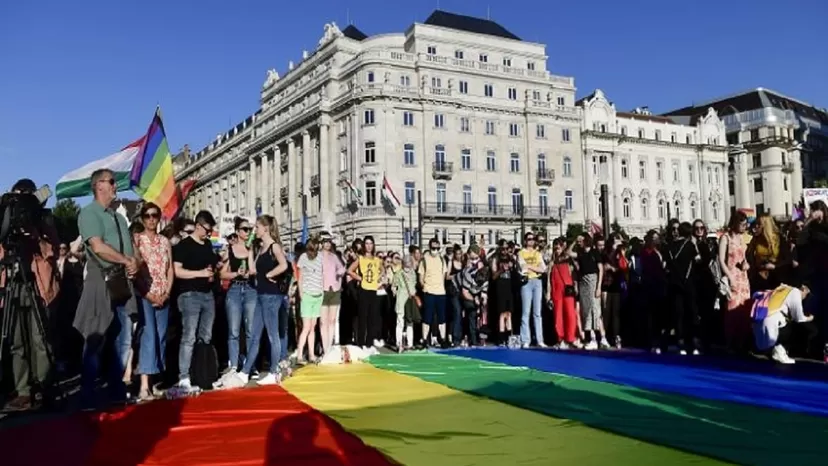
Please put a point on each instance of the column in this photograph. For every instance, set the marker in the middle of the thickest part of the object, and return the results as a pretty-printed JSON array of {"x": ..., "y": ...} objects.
[
  {"x": 293, "y": 193},
  {"x": 275, "y": 206},
  {"x": 724, "y": 205},
  {"x": 236, "y": 207},
  {"x": 796, "y": 177},
  {"x": 615, "y": 187},
  {"x": 743, "y": 197},
  {"x": 252, "y": 192},
  {"x": 705, "y": 190},
  {"x": 589, "y": 186},
  {"x": 224, "y": 185},
  {"x": 264, "y": 191},
  {"x": 328, "y": 179},
  {"x": 307, "y": 154}
]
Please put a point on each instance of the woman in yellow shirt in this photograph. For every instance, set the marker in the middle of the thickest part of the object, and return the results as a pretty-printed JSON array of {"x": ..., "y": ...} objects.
[
  {"x": 367, "y": 271},
  {"x": 530, "y": 261}
]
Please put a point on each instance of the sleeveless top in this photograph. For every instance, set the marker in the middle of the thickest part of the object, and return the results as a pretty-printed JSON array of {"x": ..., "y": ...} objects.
[
  {"x": 370, "y": 269},
  {"x": 265, "y": 263},
  {"x": 235, "y": 264}
]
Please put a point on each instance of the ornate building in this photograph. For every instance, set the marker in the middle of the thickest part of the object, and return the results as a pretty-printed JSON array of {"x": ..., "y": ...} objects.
[
  {"x": 656, "y": 167},
  {"x": 778, "y": 143},
  {"x": 457, "y": 108}
]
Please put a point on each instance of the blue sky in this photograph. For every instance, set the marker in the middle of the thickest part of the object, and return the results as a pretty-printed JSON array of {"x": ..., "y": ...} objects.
[{"x": 80, "y": 79}]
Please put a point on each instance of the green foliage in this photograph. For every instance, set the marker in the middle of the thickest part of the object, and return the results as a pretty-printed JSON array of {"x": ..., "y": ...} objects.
[
  {"x": 66, "y": 213},
  {"x": 573, "y": 230},
  {"x": 615, "y": 227},
  {"x": 821, "y": 183}
]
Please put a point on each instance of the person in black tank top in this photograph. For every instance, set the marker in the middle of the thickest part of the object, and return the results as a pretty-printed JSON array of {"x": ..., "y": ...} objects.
[{"x": 240, "y": 301}]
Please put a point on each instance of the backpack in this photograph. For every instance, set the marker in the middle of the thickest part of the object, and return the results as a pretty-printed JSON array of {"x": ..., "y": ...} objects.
[{"x": 204, "y": 367}]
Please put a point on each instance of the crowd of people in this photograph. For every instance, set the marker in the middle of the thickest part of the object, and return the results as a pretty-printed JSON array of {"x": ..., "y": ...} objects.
[{"x": 154, "y": 305}]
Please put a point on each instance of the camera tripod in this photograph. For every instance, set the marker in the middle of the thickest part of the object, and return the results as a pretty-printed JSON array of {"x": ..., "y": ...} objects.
[{"x": 19, "y": 317}]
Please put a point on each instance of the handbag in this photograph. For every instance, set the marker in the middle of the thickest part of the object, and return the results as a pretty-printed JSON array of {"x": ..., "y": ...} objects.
[
  {"x": 115, "y": 276},
  {"x": 569, "y": 288},
  {"x": 416, "y": 299}
]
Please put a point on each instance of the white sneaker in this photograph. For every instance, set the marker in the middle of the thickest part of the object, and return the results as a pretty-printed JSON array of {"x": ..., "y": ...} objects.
[
  {"x": 696, "y": 352},
  {"x": 524, "y": 346},
  {"x": 237, "y": 380},
  {"x": 563, "y": 346},
  {"x": 592, "y": 345},
  {"x": 185, "y": 384},
  {"x": 577, "y": 344},
  {"x": 656, "y": 350},
  {"x": 683, "y": 352},
  {"x": 604, "y": 344},
  {"x": 270, "y": 379},
  {"x": 542, "y": 345},
  {"x": 780, "y": 355}
]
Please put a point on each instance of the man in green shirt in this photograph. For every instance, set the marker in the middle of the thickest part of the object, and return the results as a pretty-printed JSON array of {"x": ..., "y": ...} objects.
[{"x": 106, "y": 234}]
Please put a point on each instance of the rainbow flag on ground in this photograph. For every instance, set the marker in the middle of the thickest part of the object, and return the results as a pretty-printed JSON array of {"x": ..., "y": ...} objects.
[{"x": 152, "y": 175}]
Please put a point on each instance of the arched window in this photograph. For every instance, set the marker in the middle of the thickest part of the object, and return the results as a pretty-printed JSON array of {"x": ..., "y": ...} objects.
[
  {"x": 645, "y": 208},
  {"x": 677, "y": 209},
  {"x": 662, "y": 209},
  {"x": 693, "y": 213},
  {"x": 567, "y": 166},
  {"x": 626, "y": 207}
]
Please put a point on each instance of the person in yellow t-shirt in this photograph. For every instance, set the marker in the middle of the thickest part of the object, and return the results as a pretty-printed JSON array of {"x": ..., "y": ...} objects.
[
  {"x": 433, "y": 274},
  {"x": 531, "y": 264},
  {"x": 367, "y": 270}
]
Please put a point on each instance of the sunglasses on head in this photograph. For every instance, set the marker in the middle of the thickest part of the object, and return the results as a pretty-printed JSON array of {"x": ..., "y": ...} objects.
[{"x": 153, "y": 214}]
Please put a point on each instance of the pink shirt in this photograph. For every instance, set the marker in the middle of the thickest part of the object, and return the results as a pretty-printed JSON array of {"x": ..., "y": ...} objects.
[{"x": 332, "y": 272}]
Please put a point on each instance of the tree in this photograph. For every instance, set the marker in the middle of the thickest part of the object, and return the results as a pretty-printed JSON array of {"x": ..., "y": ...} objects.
[
  {"x": 821, "y": 183},
  {"x": 573, "y": 230},
  {"x": 615, "y": 227},
  {"x": 66, "y": 213}
]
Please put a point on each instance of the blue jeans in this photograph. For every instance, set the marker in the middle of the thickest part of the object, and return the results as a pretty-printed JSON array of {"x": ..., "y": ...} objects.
[
  {"x": 240, "y": 302},
  {"x": 267, "y": 316},
  {"x": 153, "y": 324},
  {"x": 117, "y": 339},
  {"x": 530, "y": 300},
  {"x": 198, "y": 310}
]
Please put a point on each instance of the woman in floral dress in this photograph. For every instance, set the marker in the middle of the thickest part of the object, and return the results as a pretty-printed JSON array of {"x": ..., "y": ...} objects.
[{"x": 732, "y": 249}]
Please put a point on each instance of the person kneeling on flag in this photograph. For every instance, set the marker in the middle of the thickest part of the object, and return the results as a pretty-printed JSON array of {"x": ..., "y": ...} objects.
[{"x": 779, "y": 321}]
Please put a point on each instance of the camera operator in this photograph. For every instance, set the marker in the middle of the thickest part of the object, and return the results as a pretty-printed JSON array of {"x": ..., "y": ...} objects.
[
  {"x": 107, "y": 302},
  {"x": 37, "y": 250}
]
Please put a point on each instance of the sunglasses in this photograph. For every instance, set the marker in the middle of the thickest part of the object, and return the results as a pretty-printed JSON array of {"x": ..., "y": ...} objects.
[
  {"x": 246, "y": 229},
  {"x": 207, "y": 228},
  {"x": 111, "y": 181},
  {"x": 155, "y": 215},
  {"x": 190, "y": 232}
]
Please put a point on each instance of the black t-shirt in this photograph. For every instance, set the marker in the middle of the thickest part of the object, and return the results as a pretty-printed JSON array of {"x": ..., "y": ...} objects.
[
  {"x": 588, "y": 262},
  {"x": 681, "y": 256},
  {"x": 194, "y": 256}
]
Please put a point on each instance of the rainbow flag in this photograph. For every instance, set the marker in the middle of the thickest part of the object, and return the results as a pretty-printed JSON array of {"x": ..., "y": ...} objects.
[{"x": 152, "y": 175}]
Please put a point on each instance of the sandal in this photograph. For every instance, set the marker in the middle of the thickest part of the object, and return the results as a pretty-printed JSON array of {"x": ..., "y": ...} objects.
[{"x": 145, "y": 395}]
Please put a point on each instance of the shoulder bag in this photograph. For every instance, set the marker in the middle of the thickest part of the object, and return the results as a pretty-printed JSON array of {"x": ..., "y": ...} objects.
[
  {"x": 569, "y": 288},
  {"x": 115, "y": 276}
]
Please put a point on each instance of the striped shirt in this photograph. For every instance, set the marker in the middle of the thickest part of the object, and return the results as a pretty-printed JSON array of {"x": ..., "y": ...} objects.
[{"x": 310, "y": 274}]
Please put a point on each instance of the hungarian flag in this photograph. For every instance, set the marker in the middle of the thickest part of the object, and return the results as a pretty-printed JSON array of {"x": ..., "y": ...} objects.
[
  {"x": 355, "y": 194},
  {"x": 388, "y": 193}
]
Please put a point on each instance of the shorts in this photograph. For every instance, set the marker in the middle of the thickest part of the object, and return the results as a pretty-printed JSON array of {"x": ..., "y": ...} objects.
[
  {"x": 331, "y": 298},
  {"x": 311, "y": 306},
  {"x": 434, "y": 309}
]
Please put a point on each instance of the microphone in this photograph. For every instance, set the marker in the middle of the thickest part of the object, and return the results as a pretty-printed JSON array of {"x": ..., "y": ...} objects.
[{"x": 43, "y": 194}]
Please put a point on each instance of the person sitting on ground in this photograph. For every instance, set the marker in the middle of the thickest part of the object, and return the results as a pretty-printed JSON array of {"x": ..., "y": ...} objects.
[{"x": 779, "y": 321}]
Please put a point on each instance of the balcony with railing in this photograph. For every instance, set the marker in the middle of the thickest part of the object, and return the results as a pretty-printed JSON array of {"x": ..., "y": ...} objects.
[
  {"x": 545, "y": 176},
  {"x": 759, "y": 117},
  {"x": 465, "y": 210},
  {"x": 442, "y": 170},
  {"x": 315, "y": 184},
  {"x": 772, "y": 141},
  {"x": 283, "y": 195}
]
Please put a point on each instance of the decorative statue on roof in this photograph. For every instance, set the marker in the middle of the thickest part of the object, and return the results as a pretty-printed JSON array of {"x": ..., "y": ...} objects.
[
  {"x": 272, "y": 78},
  {"x": 330, "y": 33}
]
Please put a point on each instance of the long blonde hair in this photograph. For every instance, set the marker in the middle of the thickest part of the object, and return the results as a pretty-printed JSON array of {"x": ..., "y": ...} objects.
[
  {"x": 272, "y": 225},
  {"x": 770, "y": 234}
]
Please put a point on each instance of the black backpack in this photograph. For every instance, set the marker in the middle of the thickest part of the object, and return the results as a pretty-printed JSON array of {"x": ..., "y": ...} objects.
[{"x": 204, "y": 366}]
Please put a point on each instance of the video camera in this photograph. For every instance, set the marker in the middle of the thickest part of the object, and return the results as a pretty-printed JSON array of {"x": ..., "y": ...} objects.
[{"x": 23, "y": 220}]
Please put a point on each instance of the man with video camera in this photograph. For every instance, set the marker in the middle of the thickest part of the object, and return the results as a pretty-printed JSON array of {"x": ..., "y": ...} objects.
[{"x": 27, "y": 253}]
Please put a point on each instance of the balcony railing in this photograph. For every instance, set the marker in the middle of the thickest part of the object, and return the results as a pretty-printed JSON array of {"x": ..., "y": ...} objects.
[
  {"x": 442, "y": 170},
  {"x": 314, "y": 184},
  {"x": 283, "y": 163},
  {"x": 454, "y": 210},
  {"x": 283, "y": 195},
  {"x": 782, "y": 141},
  {"x": 545, "y": 176}
]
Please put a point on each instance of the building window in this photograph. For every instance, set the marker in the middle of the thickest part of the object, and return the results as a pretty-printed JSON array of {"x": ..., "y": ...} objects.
[
  {"x": 688, "y": 139},
  {"x": 754, "y": 135},
  {"x": 490, "y": 127},
  {"x": 488, "y": 90},
  {"x": 567, "y": 166},
  {"x": 484, "y": 58},
  {"x": 440, "y": 156},
  {"x": 516, "y": 198},
  {"x": 660, "y": 171},
  {"x": 432, "y": 50},
  {"x": 715, "y": 207},
  {"x": 408, "y": 118},
  {"x": 410, "y": 190},
  {"x": 709, "y": 175},
  {"x": 540, "y": 131},
  {"x": 543, "y": 201},
  {"x": 370, "y": 77},
  {"x": 465, "y": 160},
  {"x": 514, "y": 129},
  {"x": 642, "y": 170},
  {"x": 467, "y": 199},
  {"x": 677, "y": 206},
  {"x": 541, "y": 162},
  {"x": 757, "y": 186},
  {"x": 626, "y": 207},
  {"x": 676, "y": 176},
  {"x": 718, "y": 177},
  {"x": 640, "y": 133},
  {"x": 465, "y": 126},
  {"x": 408, "y": 155},
  {"x": 491, "y": 161},
  {"x": 658, "y": 135},
  {"x": 536, "y": 95},
  {"x": 693, "y": 213},
  {"x": 565, "y": 136},
  {"x": 464, "y": 87},
  {"x": 512, "y": 93},
  {"x": 368, "y": 117},
  {"x": 370, "y": 152},
  {"x": 514, "y": 162},
  {"x": 441, "y": 197},
  {"x": 623, "y": 131},
  {"x": 625, "y": 169},
  {"x": 785, "y": 184},
  {"x": 645, "y": 208},
  {"x": 530, "y": 65},
  {"x": 439, "y": 120},
  {"x": 757, "y": 160},
  {"x": 691, "y": 174},
  {"x": 436, "y": 82},
  {"x": 405, "y": 81},
  {"x": 343, "y": 160},
  {"x": 491, "y": 198},
  {"x": 458, "y": 54},
  {"x": 568, "y": 202},
  {"x": 370, "y": 193},
  {"x": 507, "y": 61},
  {"x": 662, "y": 209},
  {"x": 561, "y": 101}
]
